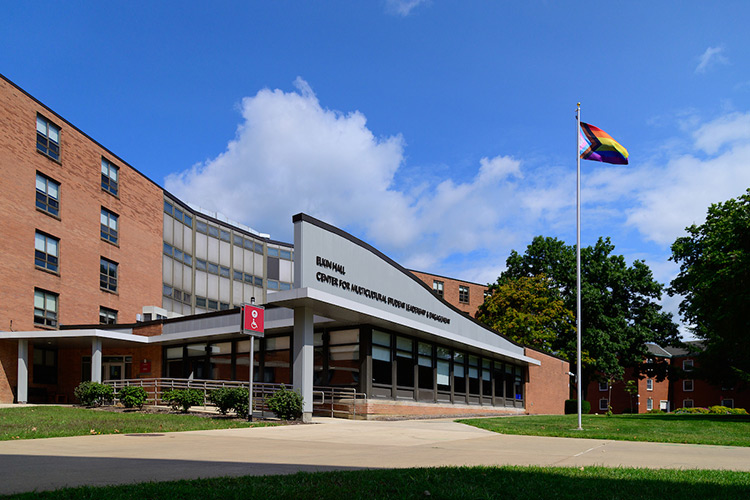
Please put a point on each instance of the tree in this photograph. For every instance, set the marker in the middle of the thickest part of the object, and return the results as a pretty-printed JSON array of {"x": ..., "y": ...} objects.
[
  {"x": 530, "y": 311},
  {"x": 714, "y": 281},
  {"x": 620, "y": 312}
]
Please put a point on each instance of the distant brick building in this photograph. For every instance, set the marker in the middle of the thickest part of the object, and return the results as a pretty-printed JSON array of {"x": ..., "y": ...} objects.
[{"x": 465, "y": 295}]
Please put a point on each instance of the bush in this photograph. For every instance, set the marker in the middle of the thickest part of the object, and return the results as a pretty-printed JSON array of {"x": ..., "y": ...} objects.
[
  {"x": 723, "y": 410},
  {"x": 285, "y": 404},
  {"x": 226, "y": 399},
  {"x": 655, "y": 411},
  {"x": 571, "y": 407},
  {"x": 132, "y": 396},
  {"x": 183, "y": 398},
  {"x": 93, "y": 393},
  {"x": 737, "y": 411},
  {"x": 696, "y": 410}
]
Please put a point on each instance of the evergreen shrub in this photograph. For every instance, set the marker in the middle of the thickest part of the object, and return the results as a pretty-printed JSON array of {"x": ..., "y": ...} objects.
[
  {"x": 183, "y": 398},
  {"x": 132, "y": 396},
  {"x": 93, "y": 393},
  {"x": 285, "y": 404},
  {"x": 571, "y": 407}
]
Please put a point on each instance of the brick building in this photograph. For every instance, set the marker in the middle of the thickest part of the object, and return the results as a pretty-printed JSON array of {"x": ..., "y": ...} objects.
[
  {"x": 106, "y": 276},
  {"x": 465, "y": 295}
]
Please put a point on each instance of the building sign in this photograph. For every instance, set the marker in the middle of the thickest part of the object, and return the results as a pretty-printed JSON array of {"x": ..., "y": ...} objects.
[
  {"x": 252, "y": 320},
  {"x": 368, "y": 293}
]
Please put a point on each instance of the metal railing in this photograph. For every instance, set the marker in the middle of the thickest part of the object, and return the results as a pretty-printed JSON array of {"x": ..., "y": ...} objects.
[{"x": 329, "y": 401}]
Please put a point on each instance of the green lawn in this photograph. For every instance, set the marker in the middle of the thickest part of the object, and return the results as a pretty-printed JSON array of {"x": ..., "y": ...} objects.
[
  {"x": 56, "y": 421},
  {"x": 726, "y": 430},
  {"x": 437, "y": 483}
]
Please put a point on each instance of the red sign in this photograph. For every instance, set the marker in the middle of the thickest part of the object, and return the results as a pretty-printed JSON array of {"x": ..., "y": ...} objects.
[
  {"x": 145, "y": 366},
  {"x": 252, "y": 319}
]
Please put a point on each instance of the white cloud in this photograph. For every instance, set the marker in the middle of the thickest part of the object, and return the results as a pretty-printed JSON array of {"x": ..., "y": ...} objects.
[
  {"x": 402, "y": 7},
  {"x": 731, "y": 129},
  {"x": 711, "y": 57}
]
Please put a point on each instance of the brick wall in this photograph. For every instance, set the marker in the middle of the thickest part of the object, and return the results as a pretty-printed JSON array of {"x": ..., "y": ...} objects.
[
  {"x": 139, "y": 207},
  {"x": 375, "y": 410},
  {"x": 548, "y": 385},
  {"x": 450, "y": 291}
]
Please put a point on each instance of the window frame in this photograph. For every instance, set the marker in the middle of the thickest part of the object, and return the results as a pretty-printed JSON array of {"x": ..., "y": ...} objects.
[
  {"x": 688, "y": 403},
  {"x": 109, "y": 314},
  {"x": 649, "y": 384},
  {"x": 45, "y": 144},
  {"x": 649, "y": 404},
  {"x": 603, "y": 404},
  {"x": 106, "y": 232},
  {"x": 438, "y": 287},
  {"x": 43, "y": 260},
  {"x": 108, "y": 281},
  {"x": 44, "y": 201},
  {"x": 109, "y": 184},
  {"x": 603, "y": 386},
  {"x": 685, "y": 385},
  {"x": 687, "y": 365},
  {"x": 49, "y": 320},
  {"x": 463, "y": 294}
]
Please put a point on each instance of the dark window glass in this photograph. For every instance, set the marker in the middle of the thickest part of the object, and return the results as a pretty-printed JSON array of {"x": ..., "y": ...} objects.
[
  {"x": 272, "y": 285},
  {"x": 213, "y": 231},
  {"x": 45, "y": 308},
  {"x": 498, "y": 373},
  {"x": 273, "y": 252},
  {"x": 272, "y": 268},
  {"x": 200, "y": 265},
  {"x": 474, "y": 375},
  {"x": 463, "y": 294},
  {"x": 200, "y": 302},
  {"x": 459, "y": 373},
  {"x": 381, "y": 358},
  {"x": 201, "y": 227},
  {"x": 109, "y": 177},
  {"x": 404, "y": 362},
  {"x": 47, "y": 195},
  {"x": 47, "y": 138},
  {"x": 109, "y": 228},
  {"x": 46, "y": 252},
  {"x": 258, "y": 281},
  {"x": 188, "y": 221},
  {"x": 425, "y": 365},
  {"x": 213, "y": 268},
  {"x": 224, "y": 271},
  {"x": 45, "y": 366},
  {"x": 486, "y": 378},
  {"x": 248, "y": 244},
  {"x": 248, "y": 278},
  {"x": 437, "y": 287},
  {"x": 168, "y": 249},
  {"x": 285, "y": 254},
  {"x": 237, "y": 240},
  {"x": 213, "y": 304},
  {"x": 187, "y": 259},
  {"x": 108, "y": 275},
  {"x": 168, "y": 208},
  {"x": 443, "y": 369},
  {"x": 107, "y": 316},
  {"x": 224, "y": 235},
  {"x": 237, "y": 276}
]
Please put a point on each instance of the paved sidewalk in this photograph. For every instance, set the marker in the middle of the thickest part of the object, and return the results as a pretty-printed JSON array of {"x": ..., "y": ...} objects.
[{"x": 328, "y": 444}]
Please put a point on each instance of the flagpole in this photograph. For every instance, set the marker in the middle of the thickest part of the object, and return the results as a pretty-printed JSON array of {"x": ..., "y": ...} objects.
[{"x": 578, "y": 262}]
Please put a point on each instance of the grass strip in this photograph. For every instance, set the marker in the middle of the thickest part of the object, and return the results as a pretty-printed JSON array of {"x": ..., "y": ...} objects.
[
  {"x": 56, "y": 421},
  {"x": 436, "y": 483},
  {"x": 723, "y": 430}
]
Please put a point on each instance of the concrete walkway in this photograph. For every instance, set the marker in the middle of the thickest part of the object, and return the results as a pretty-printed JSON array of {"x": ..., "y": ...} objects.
[{"x": 328, "y": 444}]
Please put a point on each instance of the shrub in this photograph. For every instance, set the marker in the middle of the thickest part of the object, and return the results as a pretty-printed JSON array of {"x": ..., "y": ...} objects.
[
  {"x": 571, "y": 407},
  {"x": 737, "y": 411},
  {"x": 285, "y": 404},
  {"x": 132, "y": 396},
  {"x": 226, "y": 399},
  {"x": 655, "y": 411},
  {"x": 183, "y": 398},
  {"x": 718, "y": 410},
  {"x": 93, "y": 393},
  {"x": 696, "y": 410}
]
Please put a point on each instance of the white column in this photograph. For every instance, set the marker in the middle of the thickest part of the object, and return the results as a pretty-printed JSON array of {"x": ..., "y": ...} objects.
[
  {"x": 96, "y": 359},
  {"x": 22, "y": 395},
  {"x": 302, "y": 371}
]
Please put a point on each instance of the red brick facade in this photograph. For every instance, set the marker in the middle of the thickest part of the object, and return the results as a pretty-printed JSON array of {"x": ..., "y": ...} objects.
[
  {"x": 76, "y": 284},
  {"x": 451, "y": 291},
  {"x": 548, "y": 385}
]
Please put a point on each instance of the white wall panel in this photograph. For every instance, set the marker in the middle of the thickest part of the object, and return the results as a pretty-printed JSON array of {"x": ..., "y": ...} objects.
[{"x": 166, "y": 267}]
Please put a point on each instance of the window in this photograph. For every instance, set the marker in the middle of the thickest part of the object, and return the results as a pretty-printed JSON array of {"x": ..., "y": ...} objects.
[
  {"x": 649, "y": 404},
  {"x": 285, "y": 254},
  {"x": 437, "y": 287},
  {"x": 463, "y": 294},
  {"x": 687, "y": 385},
  {"x": 47, "y": 138},
  {"x": 729, "y": 403},
  {"x": 487, "y": 294},
  {"x": 107, "y": 316},
  {"x": 109, "y": 226},
  {"x": 687, "y": 365},
  {"x": 381, "y": 358},
  {"x": 404, "y": 362},
  {"x": 603, "y": 386},
  {"x": 687, "y": 403},
  {"x": 45, "y": 308},
  {"x": 649, "y": 384},
  {"x": 47, "y": 195},
  {"x": 109, "y": 177},
  {"x": 604, "y": 404},
  {"x": 46, "y": 249},
  {"x": 45, "y": 366},
  {"x": 425, "y": 365},
  {"x": 108, "y": 275}
]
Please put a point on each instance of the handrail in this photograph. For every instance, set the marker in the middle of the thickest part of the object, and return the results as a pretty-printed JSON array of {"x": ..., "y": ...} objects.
[{"x": 332, "y": 400}]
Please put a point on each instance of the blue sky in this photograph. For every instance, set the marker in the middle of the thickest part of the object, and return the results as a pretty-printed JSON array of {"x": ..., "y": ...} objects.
[{"x": 442, "y": 132}]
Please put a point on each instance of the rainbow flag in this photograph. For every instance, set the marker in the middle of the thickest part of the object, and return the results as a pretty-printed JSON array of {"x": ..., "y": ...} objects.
[{"x": 597, "y": 145}]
